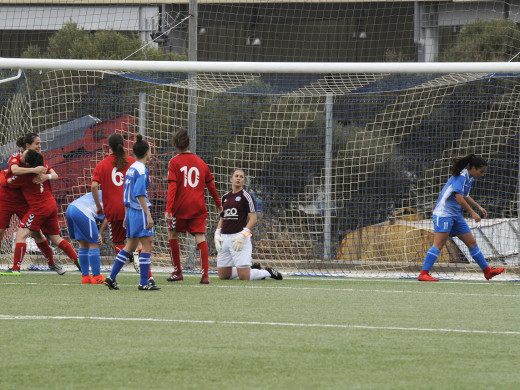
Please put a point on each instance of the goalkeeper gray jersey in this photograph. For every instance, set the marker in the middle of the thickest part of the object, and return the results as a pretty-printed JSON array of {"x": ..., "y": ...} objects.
[{"x": 236, "y": 207}]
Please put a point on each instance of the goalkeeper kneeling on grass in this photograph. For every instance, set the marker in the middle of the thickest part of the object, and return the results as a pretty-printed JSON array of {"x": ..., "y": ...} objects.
[{"x": 233, "y": 235}]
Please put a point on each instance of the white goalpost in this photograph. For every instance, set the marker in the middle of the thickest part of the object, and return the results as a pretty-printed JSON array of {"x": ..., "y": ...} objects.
[{"x": 345, "y": 167}]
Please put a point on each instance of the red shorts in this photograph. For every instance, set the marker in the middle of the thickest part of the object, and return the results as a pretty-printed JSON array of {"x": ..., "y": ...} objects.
[
  {"x": 46, "y": 223},
  {"x": 8, "y": 209},
  {"x": 116, "y": 231},
  {"x": 192, "y": 226},
  {"x": 11, "y": 202}
]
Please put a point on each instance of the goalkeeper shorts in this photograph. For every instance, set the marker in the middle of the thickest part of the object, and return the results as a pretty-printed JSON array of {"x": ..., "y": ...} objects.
[{"x": 227, "y": 257}]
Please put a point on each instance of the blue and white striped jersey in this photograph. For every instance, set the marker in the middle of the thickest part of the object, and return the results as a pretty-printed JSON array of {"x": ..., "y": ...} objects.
[
  {"x": 137, "y": 181},
  {"x": 447, "y": 205},
  {"x": 87, "y": 206}
]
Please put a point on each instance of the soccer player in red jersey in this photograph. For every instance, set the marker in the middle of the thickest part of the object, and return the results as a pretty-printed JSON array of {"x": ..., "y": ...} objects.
[
  {"x": 110, "y": 174},
  {"x": 42, "y": 213},
  {"x": 188, "y": 176},
  {"x": 13, "y": 202}
]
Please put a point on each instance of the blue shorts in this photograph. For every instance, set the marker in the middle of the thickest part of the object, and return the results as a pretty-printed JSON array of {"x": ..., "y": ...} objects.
[
  {"x": 135, "y": 224},
  {"x": 453, "y": 225},
  {"x": 80, "y": 226}
]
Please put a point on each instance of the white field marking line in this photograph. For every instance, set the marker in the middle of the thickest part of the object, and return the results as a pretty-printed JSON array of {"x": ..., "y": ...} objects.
[
  {"x": 301, "y": 289},
  {"x": 256, "y": 323}
]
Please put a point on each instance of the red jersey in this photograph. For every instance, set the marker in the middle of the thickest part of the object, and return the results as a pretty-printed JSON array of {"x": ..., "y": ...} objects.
[
  {"x": 188, "y": 176},
  {"x": 38, "y": 196},
  {"x": 9, "y": 194},
  {"x": 112, "y": 181}
]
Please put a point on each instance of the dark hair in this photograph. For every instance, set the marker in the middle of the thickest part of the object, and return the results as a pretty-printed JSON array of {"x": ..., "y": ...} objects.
[
  {"x": 28, "y": 138},
  {"x": 116, "y": 143},
  {"x": 33, "y": 159},
  {"x": 140, "y": 146},
  {"x": 181, "y": 140},
  {"x": 470, "y": 160}
]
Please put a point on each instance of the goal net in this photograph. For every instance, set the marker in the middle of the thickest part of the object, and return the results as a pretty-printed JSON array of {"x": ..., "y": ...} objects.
[{"x": 345, "y": 167}]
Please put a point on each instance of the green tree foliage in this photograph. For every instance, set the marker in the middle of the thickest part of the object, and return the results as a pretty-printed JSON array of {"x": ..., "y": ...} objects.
[
  {"x": 485, "y": 40},
  {"x": 76, "y": 43}
]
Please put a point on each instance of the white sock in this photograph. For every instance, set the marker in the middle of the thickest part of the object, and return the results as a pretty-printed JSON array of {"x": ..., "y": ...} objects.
[
  {"x": 234, "y": 273},
  {"x": 257, "y": 274}
]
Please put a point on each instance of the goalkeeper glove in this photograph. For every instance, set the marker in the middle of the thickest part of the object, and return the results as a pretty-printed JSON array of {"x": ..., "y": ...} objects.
[
  {"x": 238, "y": 240},
  {"x": 218, "y": 240}
]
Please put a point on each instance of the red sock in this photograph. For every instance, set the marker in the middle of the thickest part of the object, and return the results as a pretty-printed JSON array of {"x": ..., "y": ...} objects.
[
  {"x": 19, "y": 253},
  {"x": 175, "y": 255},
  {"x": 119, "y": 248},
  {"x": 68, "y": 249},
  {"x": 204, "y": 257},
  {"x": 46, "y": 251}
]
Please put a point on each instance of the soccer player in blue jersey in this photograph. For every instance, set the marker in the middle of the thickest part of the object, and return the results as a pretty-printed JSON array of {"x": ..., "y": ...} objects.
[
  {"x": 138, "y": 220},
  {"x": 448, "y": 219},
  {"x": 233, "y": 235},
  {"x": 82, "y": 220}
]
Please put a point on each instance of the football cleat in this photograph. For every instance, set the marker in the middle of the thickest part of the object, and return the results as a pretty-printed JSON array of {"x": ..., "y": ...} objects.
[
  {"x": 151, "y": 281},
  {"x": 204, "y": 279},
  {"x": 58, "y": 268},
  {"x": 11, "y": 272},
  {"x": 98, "y": 279},
  {"x": 256, "y": 265},
  {"x": 148, "y": 286},
  {"x": 426, "y": 277},
  {"x": 492, "y": 272},
  {"x": 274, "y": 273},
  {"x": 175, "y": 277},
  {"x": 112, "y": 284},
  {"x": 76, "y": 263},
  {"x": 86, "y": 279}
]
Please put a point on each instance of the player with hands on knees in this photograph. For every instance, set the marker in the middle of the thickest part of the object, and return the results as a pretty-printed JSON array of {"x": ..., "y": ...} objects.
[
  {"x": 448, "y": 220},
  {"x": 233, "y": 235},
  {"x": 82, "y": 220},
  {"x": 138, "y": 221},
  {"x": 186, "y": 212}
]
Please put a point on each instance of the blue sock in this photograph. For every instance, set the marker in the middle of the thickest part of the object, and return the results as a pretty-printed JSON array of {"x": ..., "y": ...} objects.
[
  {"x": 94, "y": 260},
  {"x": 144, "y": 266},
  {"x": 478, "y": 257},
  {"x": 431, "y": 258},
  {"x": 83, "y": 261},
  {"x": 120, "y": 261}
]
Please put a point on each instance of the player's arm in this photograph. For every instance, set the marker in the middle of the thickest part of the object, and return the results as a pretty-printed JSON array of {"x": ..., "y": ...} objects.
[
  {"x": 102, "y": 228},
  {"x": 144, "y": 205},
  {"x": 462, "y": 201},
  {"x": 18, "y": 170},
  {"x": 49, "y": 175},
  {"x": 214, "y": 194},
  {"x": 172, "y": 191},
  {"x": 251, "y": 220},
  {"x": 474, "y": 204},
  {"x": 218, "y": 236},
  {"x": 94, "y": 188}
]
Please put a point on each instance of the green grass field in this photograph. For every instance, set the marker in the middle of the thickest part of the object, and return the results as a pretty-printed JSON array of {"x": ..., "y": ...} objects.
[{"x": 299, "y": 333}]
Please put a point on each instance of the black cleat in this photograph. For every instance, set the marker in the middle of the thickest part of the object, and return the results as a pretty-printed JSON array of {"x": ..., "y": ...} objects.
[
  {"x": 274, "y": 273},
  {"x": 112, "y": 284},
  {"x": 256, "y": 265},
  {"x": 148, "y": 286}
]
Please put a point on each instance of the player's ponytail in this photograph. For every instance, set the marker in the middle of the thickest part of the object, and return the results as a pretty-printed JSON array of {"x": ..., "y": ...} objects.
[
  {"x": 140, "y": 146},
  {"x": 470, "y": 160},
  {"x": 116, "y": 143},
  {"x": 20, "y": 142}
]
